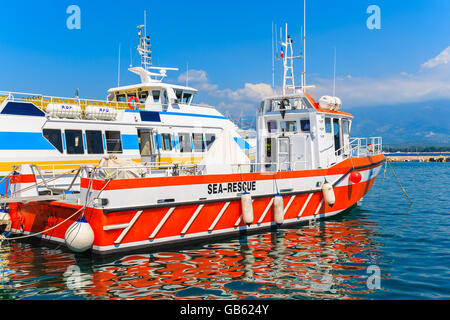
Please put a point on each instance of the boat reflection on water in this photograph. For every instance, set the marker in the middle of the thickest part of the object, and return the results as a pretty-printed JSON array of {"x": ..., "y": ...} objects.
[{"x": 328, "y": 259}]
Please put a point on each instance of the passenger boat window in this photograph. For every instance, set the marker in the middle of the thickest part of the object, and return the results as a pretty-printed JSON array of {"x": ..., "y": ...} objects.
[
  {"x": 165, "y": 99},
  {"x": 54, "y": 137},
  {"x": 94, "y": 142},
  {"x": 131, "y": 94},
  {"x": 146, "y": 142},
  {"x": 74, "y": 141},
  {"x": 166, "y": 141},
  {"x": 113, "y": 142},
  {"x": 288, "y": 126},
  {"x": 272, "y": 126},
  {"x": 328, "y": 125},
  {"x": 121, "y": 98},
  {"x": 305, "y": 125},
  {"x": 186, "y": 97},
  {"x": 185, "y": 142},
  {"x": 199, "y": 144},
  {"x": 178, "y": 94},
  {"x": 210, "y": 138},
  {"x": 143, "y": 96},
  {"x": 156, "y": 94}
]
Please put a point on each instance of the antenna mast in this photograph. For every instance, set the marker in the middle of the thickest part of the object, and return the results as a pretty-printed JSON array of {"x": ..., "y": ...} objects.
[
  {"x": 304, "y": 45},
  {"x": 287, "y": 55},
  {"x": 144, "y": 45},
  {"x": 146, "y": 58}
]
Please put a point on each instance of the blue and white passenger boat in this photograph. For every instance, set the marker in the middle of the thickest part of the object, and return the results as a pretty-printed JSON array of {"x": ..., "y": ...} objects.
[{"x": 148, "y": 122}]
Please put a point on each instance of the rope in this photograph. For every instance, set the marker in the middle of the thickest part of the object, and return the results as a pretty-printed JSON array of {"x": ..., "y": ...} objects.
[
  {"x": 403, "y": 189},
  {"x": 57, "y": 225}
]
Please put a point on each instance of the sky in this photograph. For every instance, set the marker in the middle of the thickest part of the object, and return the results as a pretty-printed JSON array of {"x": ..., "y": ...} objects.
[{"x": 227, "y": 48}]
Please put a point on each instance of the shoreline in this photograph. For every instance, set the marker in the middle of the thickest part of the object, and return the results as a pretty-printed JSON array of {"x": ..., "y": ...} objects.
[{"x": 417, "y": 158}]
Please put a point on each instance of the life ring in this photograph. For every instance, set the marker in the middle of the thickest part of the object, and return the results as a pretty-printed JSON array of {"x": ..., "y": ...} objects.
[{"x": 130, "y": 99}]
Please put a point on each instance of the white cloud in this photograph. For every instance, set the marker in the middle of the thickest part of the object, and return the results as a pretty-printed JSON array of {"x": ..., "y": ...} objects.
[
  {"x": 197, "y": 78},
  {"x": 251, "y": 92},
  {"x": 432, "y": 81},
  {"x": 244, "y": 99},
  {"x": 442, "y": 58}
]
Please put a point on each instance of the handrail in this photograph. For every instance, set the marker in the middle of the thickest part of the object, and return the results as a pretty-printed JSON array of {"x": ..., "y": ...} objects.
[
  {"x": 81, "y": 102},
  {"x": 365, "y": 146}
]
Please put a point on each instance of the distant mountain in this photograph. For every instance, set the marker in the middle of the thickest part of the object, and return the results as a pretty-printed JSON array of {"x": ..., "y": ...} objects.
[{"x": 414, "y": 124}]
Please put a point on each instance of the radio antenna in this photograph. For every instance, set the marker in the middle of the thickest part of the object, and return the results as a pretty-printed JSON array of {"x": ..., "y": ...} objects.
[
  {"x": 118, "y": 69},
  {"x": 334, "y": 75},
  {"x": 304, "y": 43},
  {"x": 273, "y": 62},
  {"x": 187, "y": 74}
]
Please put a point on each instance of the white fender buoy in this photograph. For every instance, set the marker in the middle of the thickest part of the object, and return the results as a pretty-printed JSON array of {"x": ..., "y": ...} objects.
[
  {"x": 328, "y": 193},
  {"x": 247, "y": 208},
  {"x": 79, "y": 236},
  {"x": 278, "y": 206}
]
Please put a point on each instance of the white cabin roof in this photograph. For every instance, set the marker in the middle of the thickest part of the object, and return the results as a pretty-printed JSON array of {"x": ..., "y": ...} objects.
[{"x": 159, "y": 85}]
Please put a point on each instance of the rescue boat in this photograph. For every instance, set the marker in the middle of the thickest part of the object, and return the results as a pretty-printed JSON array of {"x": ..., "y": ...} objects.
[{"x": 307, "y": 167}]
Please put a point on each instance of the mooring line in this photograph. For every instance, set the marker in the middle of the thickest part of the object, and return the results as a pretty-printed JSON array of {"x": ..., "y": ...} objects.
[{"x": 403, "y": 189}]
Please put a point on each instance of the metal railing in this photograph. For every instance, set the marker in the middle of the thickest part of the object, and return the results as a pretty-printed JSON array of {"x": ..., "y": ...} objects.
[
  {"x": 362, "y": 147},
  {"x": 42, "y": 101}
]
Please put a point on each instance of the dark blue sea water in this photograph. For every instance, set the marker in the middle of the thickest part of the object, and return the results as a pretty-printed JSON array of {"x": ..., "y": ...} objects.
[{"x": 407, "y": 245}]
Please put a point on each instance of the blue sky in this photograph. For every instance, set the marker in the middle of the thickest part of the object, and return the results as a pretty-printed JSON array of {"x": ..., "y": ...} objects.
[{"x": 227, "y": 45}]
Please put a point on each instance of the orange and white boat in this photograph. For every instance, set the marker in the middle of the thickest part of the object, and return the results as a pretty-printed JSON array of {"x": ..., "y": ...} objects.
[{"x": 307, "y": 167}]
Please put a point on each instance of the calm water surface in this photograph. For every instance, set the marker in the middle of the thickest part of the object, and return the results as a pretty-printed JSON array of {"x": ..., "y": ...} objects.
[{"x": 333, "y": 259}]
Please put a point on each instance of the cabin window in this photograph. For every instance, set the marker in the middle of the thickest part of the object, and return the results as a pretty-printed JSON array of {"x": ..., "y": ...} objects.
[
  {"x": 143, "y": 96},
  {"x": 288, "y": 126},
  {"x": 74, "y": 141},
  {"x": 337, "y": 137},
  {"x": 186, "y": 97},
  {"x": 185, "y": 142},
  {"x": 130, "y": 95},
  {"x": 305, "y": 125},
  {"x": 121, "y": 98},
  {"x": 178, "y": 94},
  {"x": 166, "y": 141},
  {"x": 113, "y": 142},
  {"x": 165, "y": 100},
  {"x": 328, "y": 125},
  {"x": 210, "y": 138},
  {"x": 54, "y": 137},
  {"x": 156, "y": 94},
  {"x": 272, "y": 126},
  {"x": 345, "y": 126},
  {"x": 199, "y": 144},
  {"x": 94, "y": 142}
]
